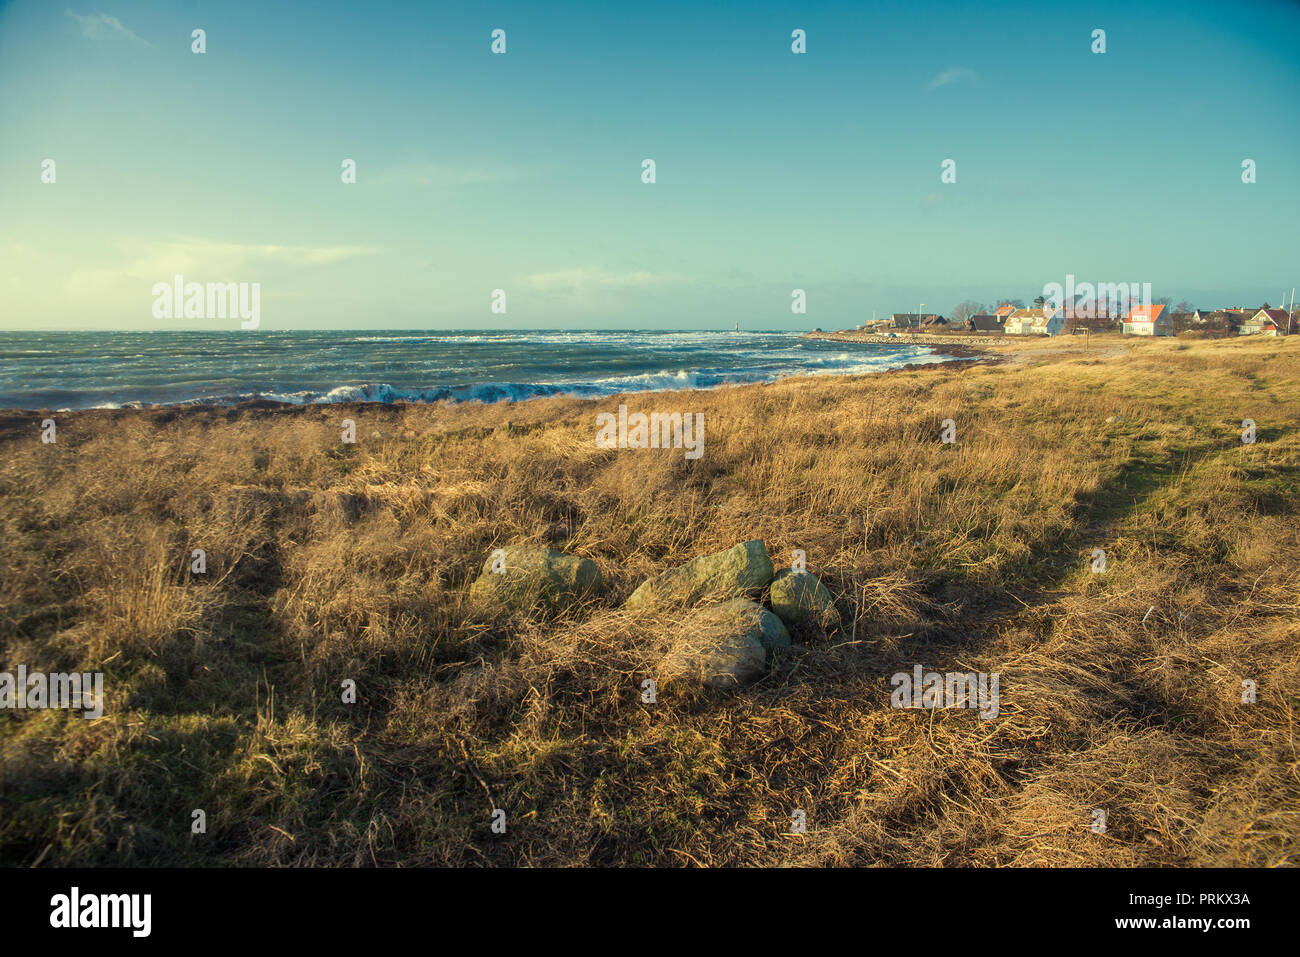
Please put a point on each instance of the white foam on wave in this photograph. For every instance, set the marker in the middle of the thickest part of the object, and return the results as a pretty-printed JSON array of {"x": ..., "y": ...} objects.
[
  {"x": 667, "y": 380},
  {"x": 576, "y": 337},
  {"x": 712, "y": 361}
]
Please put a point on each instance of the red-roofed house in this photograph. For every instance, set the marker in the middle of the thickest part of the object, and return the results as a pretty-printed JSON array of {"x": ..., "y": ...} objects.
[{"x": 1148, "y": 321}]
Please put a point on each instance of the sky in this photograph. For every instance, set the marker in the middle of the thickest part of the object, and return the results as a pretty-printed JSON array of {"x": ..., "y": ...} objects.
[{"x": 523, "y": 171}]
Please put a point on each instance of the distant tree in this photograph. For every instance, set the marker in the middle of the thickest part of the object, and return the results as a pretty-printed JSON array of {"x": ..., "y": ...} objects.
[
  {"x": 1179, "y": 316},
  {"x": 1015, "y": 303},
  {"x": 1122, "y": 305},
  {"x": 1105, "y": 306},
  {"x": 964, "y": 310}
]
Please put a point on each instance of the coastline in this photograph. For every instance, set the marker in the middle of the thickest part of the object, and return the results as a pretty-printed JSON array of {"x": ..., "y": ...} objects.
[
  {"x": 851, "y": 335},
  {"x": 972, "y": 350},
  {"x": 1011, "y": 349},
  {"x": 689, "y": 370},
  {"x": 965, "y": 347},
  {"x": 975, "y": 352},
  {"x": 331, "y": 367}
]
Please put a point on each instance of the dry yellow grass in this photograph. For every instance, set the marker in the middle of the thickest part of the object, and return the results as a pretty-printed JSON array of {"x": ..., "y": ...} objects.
[{"x": 328, "y": 561}]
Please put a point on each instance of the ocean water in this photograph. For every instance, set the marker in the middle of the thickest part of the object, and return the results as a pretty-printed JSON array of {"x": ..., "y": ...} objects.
[{"x": 79, "y": 370}]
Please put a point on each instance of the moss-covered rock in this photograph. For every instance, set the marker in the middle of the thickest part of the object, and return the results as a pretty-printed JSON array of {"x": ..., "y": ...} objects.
[
  {"x": 523, "y": 575},
  {"x": 800, "y": 600},
  {"x": 739, "y": 572}
]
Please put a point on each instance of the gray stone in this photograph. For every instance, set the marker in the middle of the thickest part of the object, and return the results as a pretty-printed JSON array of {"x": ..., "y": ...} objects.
[
  {"x": 529, "y": 573},
  {"x": 802, "y": 601},
  {"x": 740, "y": 571},
  {"x": 726, "y": 646}
]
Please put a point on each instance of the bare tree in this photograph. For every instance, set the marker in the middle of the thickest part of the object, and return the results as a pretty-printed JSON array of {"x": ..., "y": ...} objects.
[{"x": 964, "y": 310}]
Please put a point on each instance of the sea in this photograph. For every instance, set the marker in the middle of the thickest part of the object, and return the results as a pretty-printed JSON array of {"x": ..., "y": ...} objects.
[{"x": 83, "y": 370}]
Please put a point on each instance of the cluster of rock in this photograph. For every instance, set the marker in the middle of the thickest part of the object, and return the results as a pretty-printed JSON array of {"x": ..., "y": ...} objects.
[{"x": 719, "y": 645}]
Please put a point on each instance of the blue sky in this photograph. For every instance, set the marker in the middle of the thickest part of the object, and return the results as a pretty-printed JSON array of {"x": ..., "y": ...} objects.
[{"x": 522, "y": 171}]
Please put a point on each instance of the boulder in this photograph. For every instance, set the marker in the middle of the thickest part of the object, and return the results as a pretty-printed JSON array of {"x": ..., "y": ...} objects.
[
  {"x": 800, "y": 600},
  {"x": 739, "y": 572},
  {"x": 526, "y": 574},
  {"x": 725, "y": 646}
]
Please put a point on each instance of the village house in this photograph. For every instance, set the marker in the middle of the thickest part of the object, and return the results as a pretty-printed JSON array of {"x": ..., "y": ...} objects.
[
  {"x": 1050, "y": 323},
  {"x": 1046, "y": 321},
  {"x": 1148, "y": 321},
  {"x": 1017, "y": 323},
  {"x": 984, "y": 323},
  {"x": 1266, "y": 322},
  {"x": 1228, "y": 320}
]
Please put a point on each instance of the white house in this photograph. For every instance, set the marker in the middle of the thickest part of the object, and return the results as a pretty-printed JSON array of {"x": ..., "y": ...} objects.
[
  {"x": 1266, "y": 322},
  {"x": 1050, "y": 323},
  {"x": 1148, "y": 321},
  {"x": 1029, "y": 322},
  {"x": 1018, "y": 321}
]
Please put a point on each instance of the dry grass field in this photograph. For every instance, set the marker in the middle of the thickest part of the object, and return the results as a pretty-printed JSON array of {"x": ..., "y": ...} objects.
[{"x": 1120, "y": 691}]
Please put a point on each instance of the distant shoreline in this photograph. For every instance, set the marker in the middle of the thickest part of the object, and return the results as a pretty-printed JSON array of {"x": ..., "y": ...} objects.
[
  {"x": 963, "y": 347},
  {"x": 922, "y": 339}
]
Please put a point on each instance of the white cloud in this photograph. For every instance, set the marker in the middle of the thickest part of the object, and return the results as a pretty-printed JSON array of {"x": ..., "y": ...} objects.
[
  {"x": 953, "y": 74},
  {"x": 202, "y": 260},
  {"x": 98, "y": 25}
]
